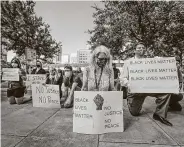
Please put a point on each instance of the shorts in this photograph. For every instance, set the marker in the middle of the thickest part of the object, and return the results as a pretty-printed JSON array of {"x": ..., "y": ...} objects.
[{"x": 16, "y": 92}]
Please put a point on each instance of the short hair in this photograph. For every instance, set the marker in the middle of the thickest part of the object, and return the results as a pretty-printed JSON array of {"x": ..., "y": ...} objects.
[{"x": 139, "y": 43}]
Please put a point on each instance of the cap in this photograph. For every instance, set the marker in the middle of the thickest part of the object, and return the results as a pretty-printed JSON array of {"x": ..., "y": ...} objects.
[{"x": 68, "y": 67}]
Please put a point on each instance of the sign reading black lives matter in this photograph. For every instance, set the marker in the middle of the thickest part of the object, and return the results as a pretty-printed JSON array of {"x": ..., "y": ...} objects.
[
  {"x": 46, "y": 96},
  {"x": 153, "y": 75},
  {"x": 98, "y": 112}
]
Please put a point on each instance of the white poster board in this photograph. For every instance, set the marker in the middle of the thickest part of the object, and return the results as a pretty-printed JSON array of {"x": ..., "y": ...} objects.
[
  {"x": 30, "y": 54},
  {"x": 10, "y": 74},
  {"x": 46, "y": 96},
  {"x": 153, "y": 75},
  {"x": 34, "y": 79},
  {"x": 98, "y": 112}
]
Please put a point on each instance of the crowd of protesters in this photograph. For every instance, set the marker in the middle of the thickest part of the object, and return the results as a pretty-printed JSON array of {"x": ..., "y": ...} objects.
[{"x": 100, "y": 75}]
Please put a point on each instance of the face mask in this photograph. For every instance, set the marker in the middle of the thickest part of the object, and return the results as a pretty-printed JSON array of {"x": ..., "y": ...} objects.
[
  {"x": 67, "y": 74},
  {"x": 38, "y": 65},
  {"x": 14, "y": 65},
  {"x": 101, "y": 62},
  {"x": 52, "y": 73}
]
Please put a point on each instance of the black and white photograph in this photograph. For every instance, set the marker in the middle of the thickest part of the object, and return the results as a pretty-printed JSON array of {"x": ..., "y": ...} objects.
[{"x": 92, "y": 73}]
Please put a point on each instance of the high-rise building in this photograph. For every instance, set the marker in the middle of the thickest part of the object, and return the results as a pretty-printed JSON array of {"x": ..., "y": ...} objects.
[
  {"x": 65, "y": 59},
  {"x": 3, "y": 53},
  {"x": 73, "y": 58},
  {"x": 58, "y": 57},
  {"x": 83, "y": 56}
]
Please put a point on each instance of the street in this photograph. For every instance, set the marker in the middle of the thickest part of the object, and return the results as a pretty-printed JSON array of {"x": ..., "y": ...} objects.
[{"x": 27, "y": 126}]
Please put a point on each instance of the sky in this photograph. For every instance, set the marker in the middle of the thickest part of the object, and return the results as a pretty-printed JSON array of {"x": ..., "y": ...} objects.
[{"x": 68, "y": 20}]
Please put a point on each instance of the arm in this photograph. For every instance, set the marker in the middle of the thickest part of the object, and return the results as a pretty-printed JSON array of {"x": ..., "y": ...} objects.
[
  {"x": 22, "y": 73},
  {"x": 119, "y": 73},
  {"x": 64, "y": 89},
  {"x": 71, "y": 95},
  {"x": 43, "y": 71},
  {"x": 85, "y": 80},
  {"x": 124, "y": 77},
  {"x": 111, "y": 81},
  {"x": 180, "y": 78}
]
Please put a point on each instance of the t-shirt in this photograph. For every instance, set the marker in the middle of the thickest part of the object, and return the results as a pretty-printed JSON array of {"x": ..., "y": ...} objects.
[{"x": 116, "y": 72}]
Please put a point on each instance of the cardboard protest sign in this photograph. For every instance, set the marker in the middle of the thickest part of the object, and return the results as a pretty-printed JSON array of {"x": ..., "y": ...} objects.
[
  {"x": 153, "y": 75},
  {"x": 97, "y": 112},
  {"x": 10, "y": 74},
  {"x": 46, "y": 96},
  {"x": 35, "y": 79},
  {"x": 30, "y": 54}
]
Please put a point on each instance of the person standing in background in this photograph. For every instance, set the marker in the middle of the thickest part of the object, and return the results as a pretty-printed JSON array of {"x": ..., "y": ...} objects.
[{"x": 39, "y": 69}]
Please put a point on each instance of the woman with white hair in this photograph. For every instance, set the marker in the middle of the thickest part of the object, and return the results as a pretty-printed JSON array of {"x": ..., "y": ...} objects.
[{"x": 99, "y": 75}]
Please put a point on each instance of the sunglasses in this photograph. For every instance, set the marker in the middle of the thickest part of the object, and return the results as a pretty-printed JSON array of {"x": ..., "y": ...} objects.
[{"x": 102, "y": 59}]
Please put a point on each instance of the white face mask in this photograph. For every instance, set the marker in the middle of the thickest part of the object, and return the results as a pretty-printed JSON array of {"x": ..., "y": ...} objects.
[
  {"x": 14, "y": 65},
  {"x": 68, "y": 74}
]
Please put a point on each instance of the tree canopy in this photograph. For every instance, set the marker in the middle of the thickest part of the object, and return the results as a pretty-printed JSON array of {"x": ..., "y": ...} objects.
[
  {"x": 21, "y": 28},
  {"x": 158, "y": 24}
]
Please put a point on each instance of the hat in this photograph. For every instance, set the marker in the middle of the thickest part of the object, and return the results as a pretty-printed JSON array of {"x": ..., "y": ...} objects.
[
  {"x": 16, "y": 60},
  {"x": 177, "y": 58},
  {"x": 68, "y": 67}
]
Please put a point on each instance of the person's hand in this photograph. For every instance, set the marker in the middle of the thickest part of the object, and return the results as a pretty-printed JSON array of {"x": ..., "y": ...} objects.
[
  {"x": 84, "y": 89},
  {"x": 126, "y": 82},
  {"x": 116, "y": 80},
  {"x": 67, "y": 103},
  {"x": 62, "y": 99},
  {"x": 44, "y": 84}
]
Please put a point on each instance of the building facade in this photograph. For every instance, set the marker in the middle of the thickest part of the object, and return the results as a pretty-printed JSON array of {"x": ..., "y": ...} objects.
[
  {"x": 83, "y": 56},
  {"x": 58, "y": 57},
  {"x": 73, "y": 58},
  {"x": 65, "y": 59},
  {"x": 3, "y": 53}
]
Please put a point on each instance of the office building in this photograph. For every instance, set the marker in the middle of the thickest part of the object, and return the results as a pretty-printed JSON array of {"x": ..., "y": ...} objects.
[
  {"x": 83, "y": 56},
  {"x": 73, "y": 58}
]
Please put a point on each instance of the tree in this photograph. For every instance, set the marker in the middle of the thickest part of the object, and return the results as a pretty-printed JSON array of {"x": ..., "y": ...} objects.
[
  {"x": 22, "y": 29},
  {"x": 158, "y": 24}
]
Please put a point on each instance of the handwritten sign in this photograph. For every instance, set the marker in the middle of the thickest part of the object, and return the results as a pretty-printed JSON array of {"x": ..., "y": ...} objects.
[
  {"x": 30, "y": 54},
  {"x": 98, "y": 112},
  {"x": 35, "y": 79},
  {"x": 153, "y": 75},
  {"x": 10, "y": 74},
  {"x": 46, "y": 96}
]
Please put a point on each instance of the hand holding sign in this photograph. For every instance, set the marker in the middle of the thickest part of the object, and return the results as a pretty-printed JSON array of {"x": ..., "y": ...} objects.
[{"x": 153, "y": 75}]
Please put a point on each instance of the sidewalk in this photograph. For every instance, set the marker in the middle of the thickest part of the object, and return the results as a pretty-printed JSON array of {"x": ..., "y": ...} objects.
[{"x": 26, "y": 126}]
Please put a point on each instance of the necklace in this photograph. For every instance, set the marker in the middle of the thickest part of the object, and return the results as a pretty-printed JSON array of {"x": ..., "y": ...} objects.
[{"x": 98, "y": 83}]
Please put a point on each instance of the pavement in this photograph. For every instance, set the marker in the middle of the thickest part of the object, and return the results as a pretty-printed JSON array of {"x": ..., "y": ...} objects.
[{"x": 27, "y": 126}]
